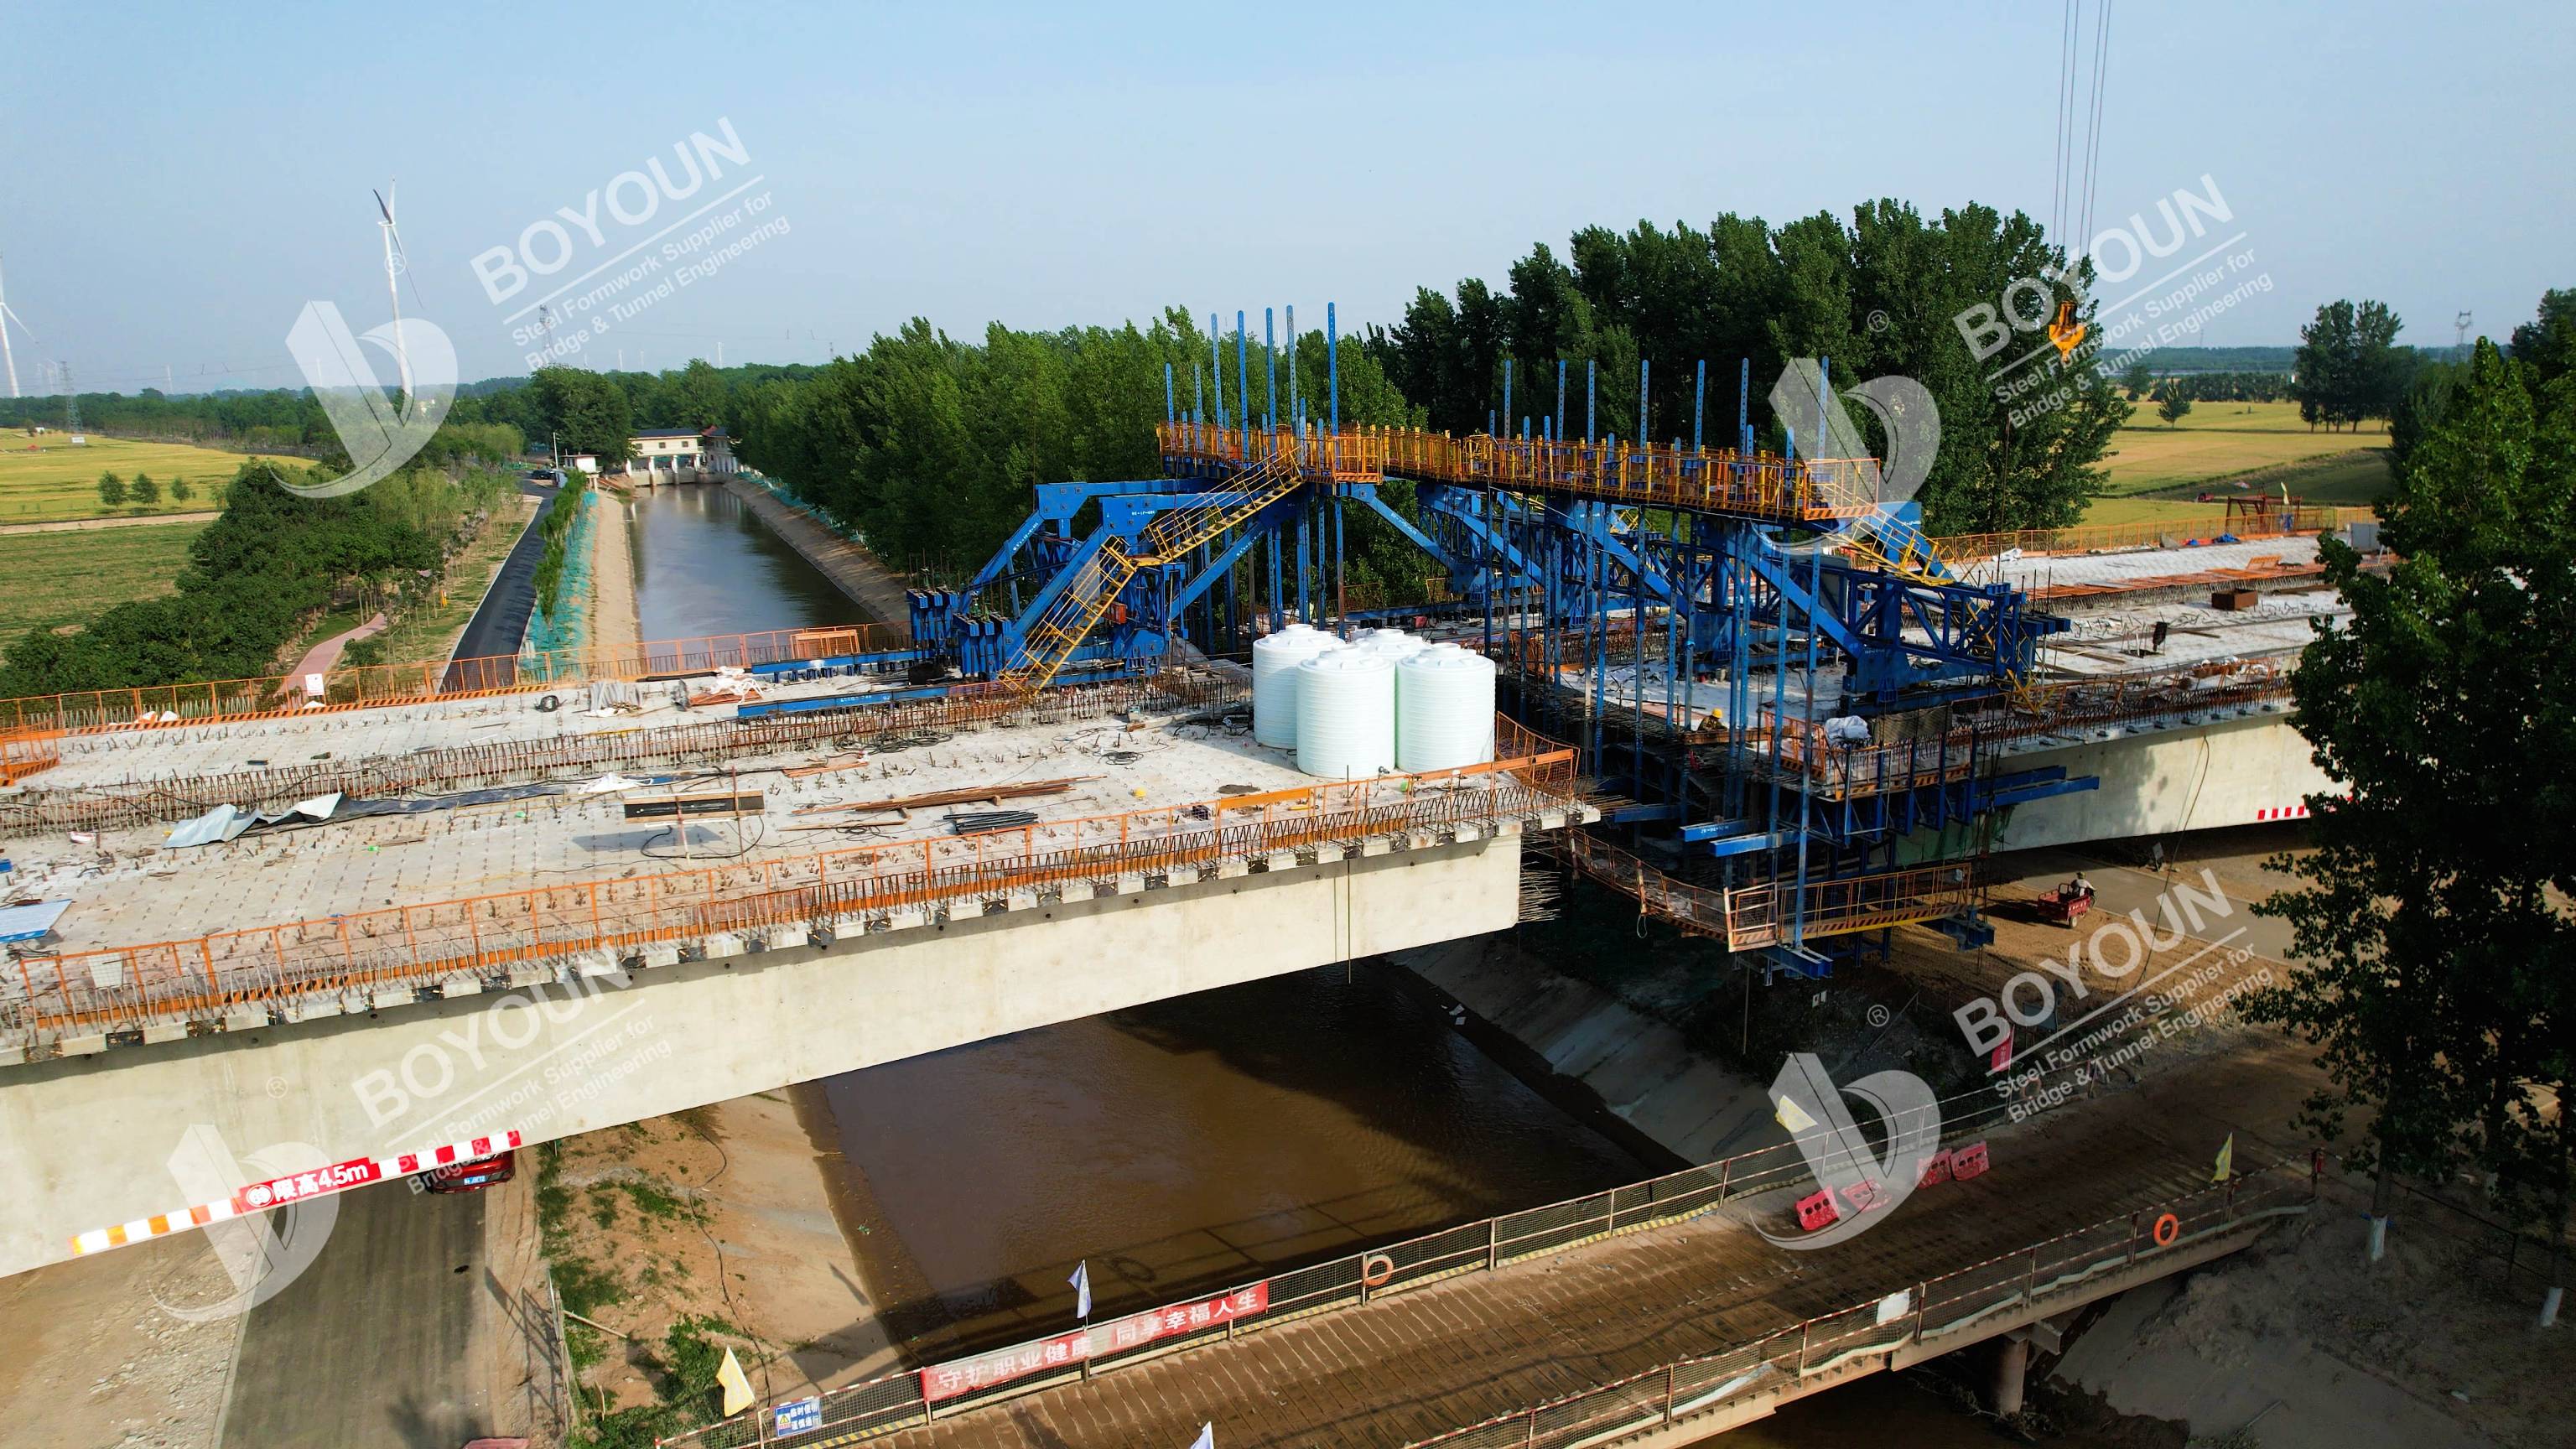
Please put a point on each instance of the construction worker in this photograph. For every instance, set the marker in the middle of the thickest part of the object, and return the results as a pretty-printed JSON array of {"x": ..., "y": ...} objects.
[{"x": 2083, "y": 888}]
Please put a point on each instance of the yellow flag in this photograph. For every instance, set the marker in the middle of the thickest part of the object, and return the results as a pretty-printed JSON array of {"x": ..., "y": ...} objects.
[
  {"x": 1793, "y": 1116},
  {"x": 2226, "y": 1160},
  {"x": 738, "y": 1395}
]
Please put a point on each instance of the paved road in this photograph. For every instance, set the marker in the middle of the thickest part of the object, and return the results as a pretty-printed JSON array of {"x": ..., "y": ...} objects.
[
  {"x": 372, "y": 1345},
  {"x": 2121, "y": 889},
  {"x": 500, "y": 622}
]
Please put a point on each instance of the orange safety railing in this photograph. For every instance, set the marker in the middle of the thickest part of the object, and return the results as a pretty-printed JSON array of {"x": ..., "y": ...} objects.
[
  {"x": 2146, "y": 532},
  {"x": 375, "y": 686},
  {"x": 1647, "y": 474},
  {"x": 1753, "y": 916},
  {"x": 27, "y": 751},
  {"x": 1756, "y": 915},
  {"x": 123, "y": 987}
]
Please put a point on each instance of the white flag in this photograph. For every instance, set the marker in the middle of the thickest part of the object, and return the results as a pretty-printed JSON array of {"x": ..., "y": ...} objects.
[
  {"x": 1206, "y": 1438},
  {"x": 1081, "y": 1281}
]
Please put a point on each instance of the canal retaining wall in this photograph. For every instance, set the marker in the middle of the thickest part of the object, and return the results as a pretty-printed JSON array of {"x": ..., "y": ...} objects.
[
  {"x": 1640, "y": 1067},
  {"x": 843, "y": 560}
]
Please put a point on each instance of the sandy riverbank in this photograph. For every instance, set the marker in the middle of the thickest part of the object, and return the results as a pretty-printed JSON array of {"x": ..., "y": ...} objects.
[{"x": 614, "y": 623}]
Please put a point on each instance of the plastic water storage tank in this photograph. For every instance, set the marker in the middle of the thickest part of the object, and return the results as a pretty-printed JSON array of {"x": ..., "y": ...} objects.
[
  {"x": 1275, "y": 658},
  {"x": 1346, "y": 714},
  {"x": 1444, "y": 709}
]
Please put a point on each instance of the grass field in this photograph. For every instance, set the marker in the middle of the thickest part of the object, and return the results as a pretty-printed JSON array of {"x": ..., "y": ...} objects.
[
  {"x": 2219, "y": 440},
  {"x": 56, "y": 579},
  {"x": 58, "y": 480}
]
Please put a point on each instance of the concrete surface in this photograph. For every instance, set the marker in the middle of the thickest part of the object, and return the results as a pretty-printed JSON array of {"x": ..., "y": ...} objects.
[{"x": 89, "y": 1136}]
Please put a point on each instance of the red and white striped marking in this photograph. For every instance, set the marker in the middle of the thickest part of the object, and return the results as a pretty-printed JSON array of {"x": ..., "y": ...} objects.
[
  {"x": 296, "y": 1187},
  {"x": 2283, "y": 812}
]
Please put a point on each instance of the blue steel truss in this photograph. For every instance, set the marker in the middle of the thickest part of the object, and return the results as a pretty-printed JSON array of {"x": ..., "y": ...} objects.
[{"x": 1663, "y": 641}]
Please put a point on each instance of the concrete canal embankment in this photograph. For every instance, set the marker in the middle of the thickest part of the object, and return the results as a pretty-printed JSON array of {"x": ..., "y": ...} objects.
[{"x": 849, "y": 566}]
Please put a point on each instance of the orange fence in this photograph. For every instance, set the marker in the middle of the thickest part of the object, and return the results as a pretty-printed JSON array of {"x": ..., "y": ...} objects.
[
  {"x": 27, "y": 751},
  {"x": 402, "y": 946},
  {"x": 132, "y": 802},
  {"x": 1750, "y": 917},
  {"x": 373, "y": 686},
  {"x": 1648, "y": 474},
  {"x": 2146, "y": 532}
]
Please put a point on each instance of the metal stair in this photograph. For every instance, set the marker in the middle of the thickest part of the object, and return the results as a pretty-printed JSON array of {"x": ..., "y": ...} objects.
[{"x": 1086, "y": 597}]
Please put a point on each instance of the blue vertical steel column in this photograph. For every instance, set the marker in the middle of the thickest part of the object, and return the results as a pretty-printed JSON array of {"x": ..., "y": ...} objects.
[
  {"x": 1556, "y": 420},
  {"x": 1699, "y": 405},
  {"x": 1278, "y": 586},
  {"x": 1798, "y": 899},
  {"x": 1644, "y": 439},
  {"x": 1270, "y": 363},
  {"x": 1507, "y": 398},
  {"x": 1591, "y": 378},
  {"x": 1744, "y": 407},
  {"x": 1169, "y": 408},
  {"x": 1296, "y": 399},
  {"x": 1243, "y": 379}
]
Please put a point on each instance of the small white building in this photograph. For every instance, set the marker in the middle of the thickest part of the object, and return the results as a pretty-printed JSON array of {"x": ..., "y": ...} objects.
[{"x": 680, "y": 455}]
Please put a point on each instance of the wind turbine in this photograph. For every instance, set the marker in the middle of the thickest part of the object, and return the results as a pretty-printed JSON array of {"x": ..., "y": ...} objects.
[
  {"x": 394, "y": 263},
  {"x": 6, "y": 317}
]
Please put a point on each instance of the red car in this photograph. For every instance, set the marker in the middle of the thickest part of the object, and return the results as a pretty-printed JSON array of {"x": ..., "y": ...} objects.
[{"x": 473, "y": 1176}]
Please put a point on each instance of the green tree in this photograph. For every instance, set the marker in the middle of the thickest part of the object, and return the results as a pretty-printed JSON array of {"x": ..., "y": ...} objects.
[
  {"x": 143, "y": 490},
  {"x": 584, "y": 412},
  {"x": 111, "y": 489},
  {"x": 182, "y": 490},
  {"x": 2546, "y": 345},
  {"x": 2441, "y": 989},
  {"x": 2173, "y": 401},
  {"x": 2138, "y": 380},
  {"x": 2349, "y": 366}
]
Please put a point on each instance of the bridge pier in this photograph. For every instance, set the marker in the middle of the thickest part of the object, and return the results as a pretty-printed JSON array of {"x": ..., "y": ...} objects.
[{"x": 2012, "y": 1361}]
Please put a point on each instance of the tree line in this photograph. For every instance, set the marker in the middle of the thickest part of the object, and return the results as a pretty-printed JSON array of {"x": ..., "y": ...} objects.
[
  {"x": 2441, "y": 989},
  {"x": 257, "y": 575},
  {"x": 1880, "y": 294}
]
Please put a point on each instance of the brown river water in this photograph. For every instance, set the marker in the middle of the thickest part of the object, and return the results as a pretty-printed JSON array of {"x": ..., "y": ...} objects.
[{"x": 1185, "y": 1145}]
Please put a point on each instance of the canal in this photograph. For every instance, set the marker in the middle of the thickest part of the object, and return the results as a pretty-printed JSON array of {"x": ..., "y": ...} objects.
[{"x": 1185, "y": 1145}]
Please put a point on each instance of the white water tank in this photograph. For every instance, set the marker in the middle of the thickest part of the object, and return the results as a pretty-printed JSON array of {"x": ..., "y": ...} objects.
[
  {"x": 1346, "y": 714},
  {"x": 1444, "y": 709},
  {"x": 1275, "y": 658},
  {"x": 1393, "y": 643}
]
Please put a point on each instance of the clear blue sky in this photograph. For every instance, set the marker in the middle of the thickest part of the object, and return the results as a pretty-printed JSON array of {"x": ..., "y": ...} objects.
[{"x": 180, "y": 181}]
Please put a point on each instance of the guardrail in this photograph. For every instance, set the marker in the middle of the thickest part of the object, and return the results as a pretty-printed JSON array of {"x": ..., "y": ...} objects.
[
  {"x": 375, "y": 686},
  {"x": 128, "y": 987},
  {"x": 1720, "y": 480},
  {"x": 2147, "y": 532},
  {"x": 1687, "y": 1388},
  {"x": 917, "y": 1396},
  {"x": 1750, "y": 917}
]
